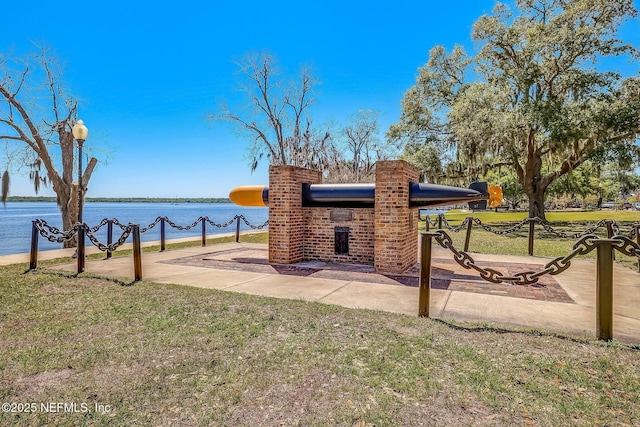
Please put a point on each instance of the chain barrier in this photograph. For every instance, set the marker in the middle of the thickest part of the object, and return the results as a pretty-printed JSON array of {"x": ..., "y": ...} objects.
[
  {"x": 546, "y": 225},
  {"x": 114, "y": 221},
  {"x": 253, "y": 227},
  {"x": 153, "y": 224},
  {"x": 50, "y": 233},
  {"x": 228, "y": 223},
  {"x": 626, "y": 246},
  {"x": 106, "y": 247},
  {"x": 55, "y": 235},
  {"x": 556, "y": 266}
]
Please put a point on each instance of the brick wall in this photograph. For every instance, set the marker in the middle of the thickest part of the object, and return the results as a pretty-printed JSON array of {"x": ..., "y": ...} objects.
[
  {"x": 396, "y": 225},
  {"x": 286, "y": 218},
  {"x": 320, "y": 235}
]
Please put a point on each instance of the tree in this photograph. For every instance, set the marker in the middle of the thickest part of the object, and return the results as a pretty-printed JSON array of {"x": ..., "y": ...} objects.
[
  {"x": 36, "y": 117},
  {"x": 540, "y": 102},
  {"x": 277, "y": 121},
  {"x": 426, "y": 157},
  {"x": 357, "y": 149}
]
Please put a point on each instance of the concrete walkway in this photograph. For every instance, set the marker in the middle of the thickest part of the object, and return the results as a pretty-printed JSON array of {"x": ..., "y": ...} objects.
[{"x": 349, "y": 290}]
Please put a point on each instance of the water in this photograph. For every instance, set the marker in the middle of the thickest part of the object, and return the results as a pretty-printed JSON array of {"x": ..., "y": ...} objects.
[{"x": 16, "y": 217}]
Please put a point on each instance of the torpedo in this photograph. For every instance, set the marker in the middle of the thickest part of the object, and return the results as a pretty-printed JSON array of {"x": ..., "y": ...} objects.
[{"x": 363, "y": 195}]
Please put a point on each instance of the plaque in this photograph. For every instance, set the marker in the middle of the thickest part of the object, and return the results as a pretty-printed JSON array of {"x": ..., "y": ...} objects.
[{"x": 340, "y": 215}]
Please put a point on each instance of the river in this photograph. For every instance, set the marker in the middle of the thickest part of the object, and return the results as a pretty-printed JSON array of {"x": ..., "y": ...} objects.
[{"x": 16, "y": 220}]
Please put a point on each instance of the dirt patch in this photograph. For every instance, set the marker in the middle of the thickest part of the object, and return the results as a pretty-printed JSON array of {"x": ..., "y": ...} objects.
[{"x": 34, "y": 384}]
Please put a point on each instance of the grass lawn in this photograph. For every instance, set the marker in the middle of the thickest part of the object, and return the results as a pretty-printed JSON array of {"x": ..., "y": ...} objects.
[{"x": 156, "y": 354}]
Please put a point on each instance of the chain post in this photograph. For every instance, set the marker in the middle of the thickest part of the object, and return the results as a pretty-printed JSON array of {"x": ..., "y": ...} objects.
[
  {"x": 440, "y": 221},
  {"x": 162, "y": 235},
  {"x": 80, "y": 248},
  {"x": 109, "y": 236},
  {"x": 204, "y": 232},
  {"x": 531, "y": 233},
  {"x": 610, "y": 232},
  {"x": 425, "y": 275},
  {"x": 137, "y": 253},
  {"x": 33, "y": 255},
  {"x": 604, "y": 289},
  {"x": 426, "y": 223},
  {"x": 637, "y": 227},
  {"x": 468, "y": 236},
  {"x": 238, "y": 229}
]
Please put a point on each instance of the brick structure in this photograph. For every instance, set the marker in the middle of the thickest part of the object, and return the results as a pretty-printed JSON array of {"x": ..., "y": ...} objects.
[
  {"x": 396, "y": 225},
  {"x": 286, "y": 218},
  {"x": 320, "y": 234},
  {"x": 385, "y": 236}
]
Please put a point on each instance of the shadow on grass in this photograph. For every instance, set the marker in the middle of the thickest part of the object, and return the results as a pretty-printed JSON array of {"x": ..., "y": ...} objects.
[
  {"x": 85, "y": 275},
  {"x": 534, "y": 333}
]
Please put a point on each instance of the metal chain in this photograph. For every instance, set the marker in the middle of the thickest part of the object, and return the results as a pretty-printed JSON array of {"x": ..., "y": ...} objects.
[
  {"x": 464, "y": 223},
  {"x": 558, "y": 265},
  {"x": 254, "y": 227},
  {"x": 112, "y": 247},
  {"x": 179, "y": 227},
  {"x": 206, "y": 218},
  {"x": 54, "y": 235},
  {"x": 547, "y": 226},
  {"x": 514, "y": 228},
  {"x": 626, "y": 246},
  {"x": 427, "y": 218},
  {"x": 588, "y": 231},
  {"x": 153, "y": 224},
  {"x": 48, "y": 232}
]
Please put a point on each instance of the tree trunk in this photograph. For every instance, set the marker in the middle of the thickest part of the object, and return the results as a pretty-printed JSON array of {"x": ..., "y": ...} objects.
[
  {"x": 68, "y": 204},
  {"x": 532, "y": 182},
  {"x": 536, "y": 204}
]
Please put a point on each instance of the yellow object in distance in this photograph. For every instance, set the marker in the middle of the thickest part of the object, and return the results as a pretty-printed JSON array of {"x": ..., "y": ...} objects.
[
  {"x": 495, "y": 195},
  {"x": 247, "y": 195}
]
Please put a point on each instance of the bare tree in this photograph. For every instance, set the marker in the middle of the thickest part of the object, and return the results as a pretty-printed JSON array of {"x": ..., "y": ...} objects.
[
  {"x": 36, "y": 117},
  {"x": 277, "y": 118},
  {"x": 358, "y": 149}
]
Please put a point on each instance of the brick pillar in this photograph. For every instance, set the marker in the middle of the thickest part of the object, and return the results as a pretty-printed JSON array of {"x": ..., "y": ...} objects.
[
  {"x": 396, "y": 226},
  {"x": 286, "y": 219}
]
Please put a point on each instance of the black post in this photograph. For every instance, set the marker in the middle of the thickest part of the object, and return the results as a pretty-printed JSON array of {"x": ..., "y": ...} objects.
[
  {"x": 531, "y": 232},
  {"x": 33, "y": 256},
  {"x": 440, "y": 221},
  {"x": 238, "y": 229},
  {"x": 80, "y": 247},
  {"x": 425, "y": 275},
  {"x": 204, "y": 232},
  {"x": 637, "y": 227},
  {"x": 137, "y": 253},
  {"x": 468, "y": 236},
  {"x": 604, "y": 290},
  {"x": 162, "y": 235},
  {"x": 610, "y": 233},
  {"x": 109, "y": 236}
]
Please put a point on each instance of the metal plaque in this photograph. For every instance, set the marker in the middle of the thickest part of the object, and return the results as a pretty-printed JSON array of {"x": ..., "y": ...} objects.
[{"x": 341, "y": 215}]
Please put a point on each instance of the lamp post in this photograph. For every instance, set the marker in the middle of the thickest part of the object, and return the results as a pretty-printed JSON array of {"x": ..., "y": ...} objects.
[{"x": 80, "y": 133}]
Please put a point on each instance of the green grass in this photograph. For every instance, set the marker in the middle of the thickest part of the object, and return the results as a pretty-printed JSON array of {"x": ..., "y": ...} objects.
[
  {"x": 157, "y": 354},
  {"x": 170, "y": 355}
]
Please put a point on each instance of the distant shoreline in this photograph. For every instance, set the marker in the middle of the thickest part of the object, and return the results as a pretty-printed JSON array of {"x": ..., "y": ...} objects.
[{"x": 126, "y": 199}]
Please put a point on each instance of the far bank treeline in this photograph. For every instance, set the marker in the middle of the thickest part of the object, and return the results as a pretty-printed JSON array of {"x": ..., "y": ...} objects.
[{"x": 126, "y": 199}]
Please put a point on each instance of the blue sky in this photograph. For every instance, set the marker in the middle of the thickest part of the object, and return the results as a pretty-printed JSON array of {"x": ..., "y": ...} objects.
[{"x": 149, "y": 73}]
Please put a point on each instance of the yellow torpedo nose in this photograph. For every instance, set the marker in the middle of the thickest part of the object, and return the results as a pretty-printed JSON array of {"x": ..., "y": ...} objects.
[{"x": 248, "y": 195}]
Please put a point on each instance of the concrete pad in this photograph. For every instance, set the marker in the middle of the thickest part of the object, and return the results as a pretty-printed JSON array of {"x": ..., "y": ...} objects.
[
  {"x": 396, "y": 299},
  {"x": 518, "y": 312},
  {"x": 290, "y": 287},
  {"x": 210, "y": 278}
]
